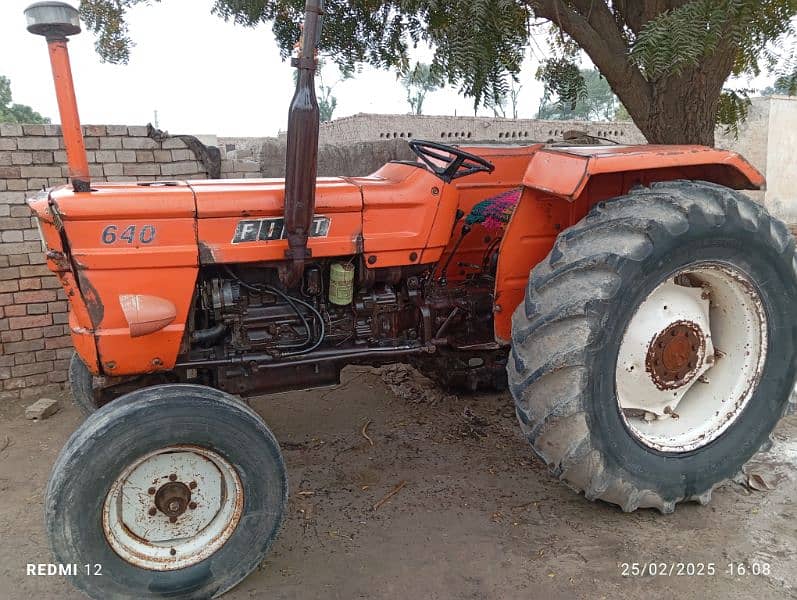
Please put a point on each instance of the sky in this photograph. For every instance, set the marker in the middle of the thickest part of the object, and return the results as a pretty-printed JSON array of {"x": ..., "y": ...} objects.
[
  {"x": 205, "y": 76},
  {"x": 202, "y": 75}
]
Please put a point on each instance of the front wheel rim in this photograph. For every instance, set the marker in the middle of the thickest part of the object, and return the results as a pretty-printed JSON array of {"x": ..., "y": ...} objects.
[
  {"x": 172, "y": 508},
  {"x": 691, "y": 357}
]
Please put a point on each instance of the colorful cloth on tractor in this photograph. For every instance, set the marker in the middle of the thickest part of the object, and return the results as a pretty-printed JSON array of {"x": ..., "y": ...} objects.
[{"x": 495, "y": 212}]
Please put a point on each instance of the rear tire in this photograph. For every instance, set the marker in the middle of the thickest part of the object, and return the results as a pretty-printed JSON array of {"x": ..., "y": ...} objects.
[
  {"x": 206, "y": 456},
  {"x": 580, "y": 301}
]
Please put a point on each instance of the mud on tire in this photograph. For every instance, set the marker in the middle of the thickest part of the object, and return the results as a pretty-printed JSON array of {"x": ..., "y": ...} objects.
[{"x": 567, "y": 333}]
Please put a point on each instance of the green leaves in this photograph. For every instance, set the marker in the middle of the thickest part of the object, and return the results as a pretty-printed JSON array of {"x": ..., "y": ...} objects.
[{"x": 15, "y": 113}]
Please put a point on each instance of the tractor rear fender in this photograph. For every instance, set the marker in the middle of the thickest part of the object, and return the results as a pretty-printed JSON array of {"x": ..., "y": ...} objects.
[{"x": 562, "y": 184}]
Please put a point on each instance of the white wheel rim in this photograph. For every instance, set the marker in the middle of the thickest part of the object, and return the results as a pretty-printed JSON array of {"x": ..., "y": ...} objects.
[
  {"x": 691, "y": 357},
  {"x": 200, "y": 498}
]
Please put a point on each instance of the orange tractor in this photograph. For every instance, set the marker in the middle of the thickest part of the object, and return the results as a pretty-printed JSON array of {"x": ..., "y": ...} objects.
[{"x": 641, "y": 307}]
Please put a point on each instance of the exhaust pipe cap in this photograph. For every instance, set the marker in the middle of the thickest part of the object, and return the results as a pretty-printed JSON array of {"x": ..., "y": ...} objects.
[{"x": 54, "y": 20}]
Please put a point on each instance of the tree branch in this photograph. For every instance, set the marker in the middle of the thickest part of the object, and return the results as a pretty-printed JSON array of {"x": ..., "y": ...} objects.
[{"x": 592, "y": 25}]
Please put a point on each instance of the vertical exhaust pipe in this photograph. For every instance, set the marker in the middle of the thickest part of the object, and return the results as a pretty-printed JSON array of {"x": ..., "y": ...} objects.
[
  {"x": 56, "y": 21},
  {"x": 301, "y": 166}
]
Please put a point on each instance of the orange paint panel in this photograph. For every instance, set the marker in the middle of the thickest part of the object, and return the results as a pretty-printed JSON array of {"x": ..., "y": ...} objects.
[
  {"x": 115, "y": 345},
  {"x": 566, "y": 172},
  {"x": 528, "y": 239},
  {"x": 216, "y": 240},
  {"x": 85, "y": 346},
  {"x": 126, "y": 201},
  {"x": 115, "y": 243}
]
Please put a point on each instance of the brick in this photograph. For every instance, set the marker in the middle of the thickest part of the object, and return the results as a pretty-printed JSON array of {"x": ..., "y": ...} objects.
[
  {"x": 116, "y": 129},
  {"x": 8, "y": 144},
  {"x": 94, "y": 130},
  {"x": 53, "y": 331},
  {"x": 33, "y": 271},
  {"x": 62, "y": 319},
  {"x": 110, "y": 143},
  {"x": 50, "y": 129},
  {"x": 138, "y": 130},
  {"x": 139, "y": 143},
  {"x": 150, "y": 170},
  {"x": 173, "y": 143},
  {"x": 9, "y": 273},
  {"x": 8, "y": 286},
  {"x": 15, "y": 310},
  {"x": 10, "y": 173},
  {"x": 51, "y": 283},
  {"x": 16, "y": 223},
  {"x": 27, "y": 346},
  {"x": 125, "y": 156},
  {"x": 35, "y": 380},
  {"x": 19, "y": 259},
  {"x": 22, "y": 158},
  {"x": 38, "y": 143},
  {"x": 5, "y": 210},
  {"x": 33, "y": 129},
  {"x": 105, "y": 156},
  {"x": 20, "y": 211},
  {"x": 11, "y": 336},
  {"x": 112, "y": 169},
  {"x": 5, "y": 159},
  {"x": 14, "y": 197},
  {"x": 145, "y": 156},
  {"x": 42, "y": 157},
  {"x": 63, "y": 354},
  {"x": 57, "y": 376},
  {"x": 11, "y": 236},
  {"x": 10, "y": 384},
  {"x": 9, "y": 129},
  {"x": 91, "y": 143},
  {"x": 180, "y": 168},
  {"x": 57, "y": 307},
  {"x": 163, "y": 155},
  {"x": 42, "y": 409},
  {"x": 246, "y": 166},
  {"x": 58, "y": 342},
  {"x": 24, "y": 358},
  {"x": 37, "y": 309},
  {"x": 39, "y": 171},
  {"x": 45, "y": 355},
  {"x": 5, "y": 373},
  {"x": 60, "y": 156},
  {"x": 32, "y": 334},
  {"x": 17, "y": 185},
  {"x": 178, "y": 155},
  {"x": 6, "y": 299},
  {"x": 31, "y": 321}
]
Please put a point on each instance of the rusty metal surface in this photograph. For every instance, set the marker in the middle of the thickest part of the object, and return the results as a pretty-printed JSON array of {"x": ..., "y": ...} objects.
[{"x": 675, "y": 354}]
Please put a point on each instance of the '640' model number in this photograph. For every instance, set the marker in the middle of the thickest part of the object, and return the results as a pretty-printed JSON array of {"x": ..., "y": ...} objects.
[{"x": 130, "y": 234}]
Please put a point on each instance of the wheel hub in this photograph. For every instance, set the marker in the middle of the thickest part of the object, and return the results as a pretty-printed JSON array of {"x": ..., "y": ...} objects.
[
  {"x": 675, "y": 354},
  {"x": 173, "y": 498},
  {"x": 690, "y": 356}
]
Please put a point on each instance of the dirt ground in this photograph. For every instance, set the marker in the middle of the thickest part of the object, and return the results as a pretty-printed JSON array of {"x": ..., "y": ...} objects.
[{"x": 477, "y": 517}]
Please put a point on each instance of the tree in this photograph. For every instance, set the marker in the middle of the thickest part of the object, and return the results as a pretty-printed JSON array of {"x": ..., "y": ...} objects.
[
  {"x": 16, "y": 113},
  {"x": 594, "y": 101},
  {"x": 419, "y": 81},
  {"x": 667, "y": 60}
]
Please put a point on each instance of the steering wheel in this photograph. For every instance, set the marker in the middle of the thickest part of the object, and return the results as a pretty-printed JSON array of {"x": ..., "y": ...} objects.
[{"x": 457, "y": 163}]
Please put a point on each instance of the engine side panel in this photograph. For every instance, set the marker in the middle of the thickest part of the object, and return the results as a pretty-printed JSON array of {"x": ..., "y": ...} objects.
[{"x": 241, "y": 221}]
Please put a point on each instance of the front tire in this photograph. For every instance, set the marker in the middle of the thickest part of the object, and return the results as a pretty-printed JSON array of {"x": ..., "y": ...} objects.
[
  {"x": 591, "y": 377},
  {"x": 176, "y": 491}
]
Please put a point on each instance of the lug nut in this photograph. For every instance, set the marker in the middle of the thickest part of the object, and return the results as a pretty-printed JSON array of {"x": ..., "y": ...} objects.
[
  {"x": 172, "y": 551},
  {"x": 172, "y": 477},
  {"x": 152, "y": 511},
  {"x": 172, "y": 519},
  {"x": 151, "y": 491},
  {"x": 192, "y": 485},
  {"x": 192, "y": 505}
]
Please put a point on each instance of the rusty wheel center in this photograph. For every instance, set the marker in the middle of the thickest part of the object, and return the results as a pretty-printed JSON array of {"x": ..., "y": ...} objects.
[
  {"x": 675, "y": 353},
  {"x": 172, "y": 498}
]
